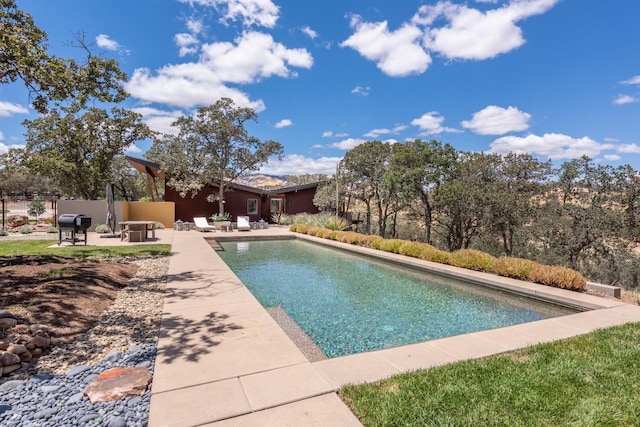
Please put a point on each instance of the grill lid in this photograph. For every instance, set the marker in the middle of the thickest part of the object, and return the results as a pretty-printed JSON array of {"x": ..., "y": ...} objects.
[{"x": 75, "y": 221}]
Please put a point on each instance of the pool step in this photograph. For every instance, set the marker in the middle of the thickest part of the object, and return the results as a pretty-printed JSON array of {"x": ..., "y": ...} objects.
[{"x": 215, "y": 245}]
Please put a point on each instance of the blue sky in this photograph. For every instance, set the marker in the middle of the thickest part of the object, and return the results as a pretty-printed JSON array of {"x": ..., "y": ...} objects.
[{"x": 554, "y": 78}]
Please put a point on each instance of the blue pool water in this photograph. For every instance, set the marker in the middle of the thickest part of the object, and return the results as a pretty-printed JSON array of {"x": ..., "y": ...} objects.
[{"x": 349, "y": 304}]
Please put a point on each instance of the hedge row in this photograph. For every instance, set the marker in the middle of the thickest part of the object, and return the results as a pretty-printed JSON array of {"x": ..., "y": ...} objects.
[{"x": 517, "y": 268}]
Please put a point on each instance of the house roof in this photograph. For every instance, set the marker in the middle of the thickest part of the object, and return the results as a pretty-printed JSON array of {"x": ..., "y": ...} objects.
[
  {"x": 145, "y": 166},
  {"x": 153, "y": 169}
]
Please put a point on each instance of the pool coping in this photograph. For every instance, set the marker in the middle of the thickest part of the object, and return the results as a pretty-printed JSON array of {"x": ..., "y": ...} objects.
[{"x": 222, "y": 360}]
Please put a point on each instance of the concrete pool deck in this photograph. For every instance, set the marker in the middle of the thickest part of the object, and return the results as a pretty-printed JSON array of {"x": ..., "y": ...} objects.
[{"x": 224, "y": 361}]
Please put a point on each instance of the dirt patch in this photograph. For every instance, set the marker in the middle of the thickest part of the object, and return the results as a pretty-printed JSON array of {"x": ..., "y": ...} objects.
[{"x": 66, "y": 294}]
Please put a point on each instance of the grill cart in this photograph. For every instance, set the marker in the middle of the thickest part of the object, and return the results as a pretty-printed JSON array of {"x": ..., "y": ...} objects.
[{"x": 70, "y": 225}]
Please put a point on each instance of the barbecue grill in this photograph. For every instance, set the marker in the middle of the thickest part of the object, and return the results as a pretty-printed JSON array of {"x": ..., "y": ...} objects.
[{"x": 70, "y": 225}]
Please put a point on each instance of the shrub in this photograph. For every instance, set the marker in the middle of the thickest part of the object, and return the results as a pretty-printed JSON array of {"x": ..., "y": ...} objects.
[
  {"x": 36, "y": 208},
  {"x": 26, "y": 229},
  {"x": 326, "y": 233},
  {"x": 302, "y": 218},
  {"x": 412, "y": 249},
  {"x": 102, "y": 228},
  {"x": 350, "y": 237},
  {"x": 435, "y": 255},
  {"x": 367, "y": 240},
  {"x": 335, "y": 223},
  {"x": 160, "y": 226},
  {"x": 516, "y": 268},
  {"x": 391, "y": 245},
  {"x": 333, "y": 235},
  {"x": 299, "y": 228},
  {"x": 313, "y": 231},
  {"x": 51, "y": 229},
  {"x": 559, "y": 277},
  {"x": 472, "y": 259},
  {"x": 4, "y": 232}
]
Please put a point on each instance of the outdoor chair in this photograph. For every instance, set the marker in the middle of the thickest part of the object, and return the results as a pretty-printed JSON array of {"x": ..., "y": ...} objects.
[
  {"x": 243, "y": 223},
  {"x": 200, "y": 223}
]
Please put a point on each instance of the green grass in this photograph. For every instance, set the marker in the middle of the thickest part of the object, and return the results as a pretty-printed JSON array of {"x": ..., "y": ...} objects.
[
  {"x": 591, "y": 380},
  {"x": 41, "y": 247}
]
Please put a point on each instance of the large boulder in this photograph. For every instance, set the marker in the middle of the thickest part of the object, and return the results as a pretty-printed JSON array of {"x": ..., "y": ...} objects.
[{"x": 15, "y": 221}]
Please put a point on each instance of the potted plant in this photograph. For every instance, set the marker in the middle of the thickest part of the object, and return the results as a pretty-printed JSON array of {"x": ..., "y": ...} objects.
[{"x": 221, "y": 220}]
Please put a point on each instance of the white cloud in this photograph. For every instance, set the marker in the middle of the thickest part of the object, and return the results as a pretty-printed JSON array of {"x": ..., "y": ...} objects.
[
  {"x": 635, "y": 80},
  {"x": 331, "y": 134},
  {"x": 455, "y": 31},
  {"x": 187, "y": 44},
  {"x": 159, "y": 120},
  {"x": 628, "y": 148},
  {"x": 624, "y": 99},
  {"x": 296, "y": 164},
  {"x": 551, "y": 145},
  {"x": 474, "y": 34},
  {"x": 283, "y": 123},
  {"x": 376, "y": 133},
  {"x": 431, "y": 124},
  {"x": 309, "y": 32},
  {"x": 249, "y": 12},
  {"x": 104, "y": 41},
  {"x": 194, "y": 26},
  {"x": 363, "y": 91},
  {"x": 609, "y": 139},
  {"x": 4, "y": 149},
  {"x": 8, "y": 109},
  {"x": 494, "y": 120},
  {"x": 612, "y": 157},
  {"x": 348, "y": 144},
  {"x": 253, "y": 57},
  {"x": 132, "y": 149},
  {"x": 397, "y": 53}
]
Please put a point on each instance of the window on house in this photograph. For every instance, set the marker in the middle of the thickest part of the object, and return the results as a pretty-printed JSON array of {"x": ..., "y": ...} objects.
[{"x": 252, "y": 206}]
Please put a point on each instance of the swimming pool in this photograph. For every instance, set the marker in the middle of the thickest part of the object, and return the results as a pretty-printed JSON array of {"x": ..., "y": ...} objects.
[{"x": 347, "y": 303}]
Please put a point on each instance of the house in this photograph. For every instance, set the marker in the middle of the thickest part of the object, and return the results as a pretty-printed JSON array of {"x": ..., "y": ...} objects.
[{"x": 238, "y": 199}]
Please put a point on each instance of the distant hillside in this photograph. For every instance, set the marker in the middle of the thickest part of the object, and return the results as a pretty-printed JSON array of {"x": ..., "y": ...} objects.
[{"x": 265, "y": 182}]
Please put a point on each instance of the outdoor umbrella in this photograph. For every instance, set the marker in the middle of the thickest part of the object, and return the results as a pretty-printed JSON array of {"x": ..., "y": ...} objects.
[{"x": 111, "y": 210}]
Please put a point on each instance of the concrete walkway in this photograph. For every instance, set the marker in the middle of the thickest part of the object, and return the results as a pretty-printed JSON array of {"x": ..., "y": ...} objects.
[{"x": 223, "y": 361}]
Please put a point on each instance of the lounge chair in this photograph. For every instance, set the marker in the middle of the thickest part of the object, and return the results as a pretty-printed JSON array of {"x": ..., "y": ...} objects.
[
  {"x": 200, "y": 223},
  {"x": 243, "y": 223}
]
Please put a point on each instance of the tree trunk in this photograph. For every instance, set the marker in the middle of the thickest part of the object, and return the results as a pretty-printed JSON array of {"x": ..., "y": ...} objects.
[{"x": 221, "y": 197}]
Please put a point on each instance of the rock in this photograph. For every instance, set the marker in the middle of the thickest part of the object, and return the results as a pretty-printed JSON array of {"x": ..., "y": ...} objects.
[
  {"x": 17, "y": 349},
  {"x": 76, "y": 370},
  {"x": 75, "y": 398},
  {"x": 8, "y": 359},
  {"x": 36, "y": 329},
  {"x": 6, "y": 313},
  {"x": 11, "y": 368},
  {"x": 14, "y": 221},
  {"x": 36, "y": 352},
  {"x": 26, "y": 356},
  {"x": 7, "y": 323},
  {"x": 12, "y": 385},
  {"x": 40, "y": 341},
  {"x": 117, "y": 422},
  {"x": 117, "y": 383},
  {"x": 4, "y": 345},
  {"x": 21, "y": 329},
  {"x": 113, "y": 356},
  {"x": 30, "y": 346}
]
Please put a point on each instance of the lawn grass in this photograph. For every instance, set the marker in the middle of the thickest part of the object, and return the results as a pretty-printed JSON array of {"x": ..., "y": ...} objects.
[
  {"x": 41, "y": 247},
  {"x": 591, "y": 380}
]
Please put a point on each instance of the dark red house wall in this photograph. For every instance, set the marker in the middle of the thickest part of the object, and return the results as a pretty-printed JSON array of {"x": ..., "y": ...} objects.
[
  {"x": 301, "y": 201},
  {"x": 187, "y": 207},
  {"x": 236, "y": 203}
]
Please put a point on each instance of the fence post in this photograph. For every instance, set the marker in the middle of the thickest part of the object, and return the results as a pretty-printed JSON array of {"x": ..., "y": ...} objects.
[{"x": 4, "y": 227}]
